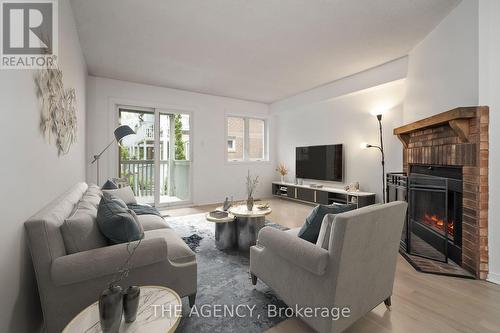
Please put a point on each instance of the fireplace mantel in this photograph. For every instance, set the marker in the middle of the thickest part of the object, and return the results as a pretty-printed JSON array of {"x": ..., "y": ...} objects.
[{"x": 457, "y": 119}]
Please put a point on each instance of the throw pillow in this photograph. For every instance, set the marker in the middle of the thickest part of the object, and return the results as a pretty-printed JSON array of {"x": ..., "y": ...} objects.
[
  {"x": 124, "y": 193},
  {"x": 109, "y": 185},
  {"x": 80, "y": 231},
  {"x": 118, "y": 223},
  {"x": 312, "y": 226}
]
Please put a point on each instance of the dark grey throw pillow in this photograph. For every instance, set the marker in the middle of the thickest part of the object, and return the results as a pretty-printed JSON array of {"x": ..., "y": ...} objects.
[
  {"x": 310, "y": 229},
  {"x": 118, "y": 223},
  {"x": 109, "y": 185}
]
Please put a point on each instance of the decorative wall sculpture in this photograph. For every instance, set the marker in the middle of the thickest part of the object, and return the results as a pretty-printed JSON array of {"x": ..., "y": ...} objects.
[{"x": 58, "y": 119}]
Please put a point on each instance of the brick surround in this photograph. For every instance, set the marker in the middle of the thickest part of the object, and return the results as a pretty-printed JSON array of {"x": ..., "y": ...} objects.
[{"x": 441, "y": 143}]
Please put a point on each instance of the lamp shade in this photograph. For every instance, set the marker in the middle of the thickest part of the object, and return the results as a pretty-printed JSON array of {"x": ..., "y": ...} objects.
[{"x": 123, "y": 131}]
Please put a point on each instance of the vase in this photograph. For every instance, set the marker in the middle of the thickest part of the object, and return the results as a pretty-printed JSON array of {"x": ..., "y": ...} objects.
[
  {"x": 282, "y": 178},
  {"x": 250, "y": 203},
  {"x": 111, "y": 309},
  {"x": 131, "y": 303}
]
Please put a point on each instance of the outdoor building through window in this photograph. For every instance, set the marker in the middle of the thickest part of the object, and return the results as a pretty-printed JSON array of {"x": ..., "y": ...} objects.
[{"x": 246, "y": 139}]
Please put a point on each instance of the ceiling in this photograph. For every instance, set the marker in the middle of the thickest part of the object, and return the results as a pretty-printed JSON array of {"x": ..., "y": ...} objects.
[{"x": 259, "y": 50}]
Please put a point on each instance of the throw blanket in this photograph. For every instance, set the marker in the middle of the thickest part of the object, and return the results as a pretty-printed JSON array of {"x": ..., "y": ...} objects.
[{"x": 144, "y": 209}]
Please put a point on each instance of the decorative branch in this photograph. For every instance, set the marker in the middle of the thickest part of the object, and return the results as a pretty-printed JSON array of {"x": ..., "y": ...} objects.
[
  {"x": 124, "y": 269},
  {"x": 251, "y": 184}
]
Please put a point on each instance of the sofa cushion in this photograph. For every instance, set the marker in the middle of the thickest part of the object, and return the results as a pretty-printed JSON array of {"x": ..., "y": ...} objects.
[
  {"x": 80, "y": 231},
  {"x": 310, "y": 229},
  {"x": 92, "y": 195},
  {"x": 177, "y": 250},
  {"x": 94, "y": 189},
  {"x": 118, "y": 223},
  {"x": 152, "y": 222},
  {"x": 124, "y": 193}
]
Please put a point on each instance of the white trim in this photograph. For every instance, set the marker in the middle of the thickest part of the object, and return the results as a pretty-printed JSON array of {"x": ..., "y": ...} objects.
[{"x": 493, "y": 278}]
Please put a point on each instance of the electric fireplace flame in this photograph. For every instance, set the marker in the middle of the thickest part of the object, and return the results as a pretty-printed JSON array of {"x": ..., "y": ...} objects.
[{"x": 435, "y": 222}]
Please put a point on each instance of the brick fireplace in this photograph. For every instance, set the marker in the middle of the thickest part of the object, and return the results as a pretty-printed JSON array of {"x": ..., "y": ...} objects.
[{"x": 457, "y": 139}]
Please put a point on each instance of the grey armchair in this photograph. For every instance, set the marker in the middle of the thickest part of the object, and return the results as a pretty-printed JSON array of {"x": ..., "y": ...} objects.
[{"x": 352, "y": 265}]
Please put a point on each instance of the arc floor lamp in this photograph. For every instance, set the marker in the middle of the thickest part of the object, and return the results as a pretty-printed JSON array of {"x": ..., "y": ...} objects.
[
  {"x": 365, "y": 145},
  {"x": 120, "y": 133}
]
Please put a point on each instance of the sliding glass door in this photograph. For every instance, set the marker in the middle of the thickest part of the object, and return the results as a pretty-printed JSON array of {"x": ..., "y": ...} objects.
[{"x": 156, "y": 162}]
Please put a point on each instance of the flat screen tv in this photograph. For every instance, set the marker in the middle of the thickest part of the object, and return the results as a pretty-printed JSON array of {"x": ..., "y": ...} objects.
[{"x": 320, "y": 162}]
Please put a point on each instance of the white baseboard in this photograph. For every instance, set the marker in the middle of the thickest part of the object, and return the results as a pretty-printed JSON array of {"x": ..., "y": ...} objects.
[{"x": 494, "y": 277}]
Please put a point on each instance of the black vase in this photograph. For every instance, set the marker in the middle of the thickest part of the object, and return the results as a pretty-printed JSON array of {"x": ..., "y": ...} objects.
[
  {"x": 131, "y": 303},
  {"x": 111, "y": 309}
]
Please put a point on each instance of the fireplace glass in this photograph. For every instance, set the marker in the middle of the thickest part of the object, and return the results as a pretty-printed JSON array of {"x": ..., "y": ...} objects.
[{"x": 434, "y": 219}]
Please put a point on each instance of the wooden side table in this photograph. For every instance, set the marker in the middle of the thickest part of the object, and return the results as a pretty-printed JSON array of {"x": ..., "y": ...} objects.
[{"x": 159, "y": 311}]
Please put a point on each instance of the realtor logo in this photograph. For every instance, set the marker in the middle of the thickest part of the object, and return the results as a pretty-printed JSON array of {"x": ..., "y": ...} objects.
[{"x": 29, "y": 34}]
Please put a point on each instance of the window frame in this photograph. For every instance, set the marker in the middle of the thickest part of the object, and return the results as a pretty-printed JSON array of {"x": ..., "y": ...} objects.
[{"x": 246, "y": 140}]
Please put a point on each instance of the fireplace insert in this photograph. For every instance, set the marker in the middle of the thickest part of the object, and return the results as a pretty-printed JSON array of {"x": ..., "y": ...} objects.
[{"x": 434, "y": 226}]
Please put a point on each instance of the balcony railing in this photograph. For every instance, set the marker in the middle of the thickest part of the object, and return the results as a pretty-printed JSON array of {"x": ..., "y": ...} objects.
[{"x": 140, "y": 175}]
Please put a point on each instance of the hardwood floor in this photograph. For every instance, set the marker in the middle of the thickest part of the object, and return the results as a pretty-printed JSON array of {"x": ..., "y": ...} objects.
[
  {"x": 285, "y": 212},
  {"x": 421, "y": 303}
]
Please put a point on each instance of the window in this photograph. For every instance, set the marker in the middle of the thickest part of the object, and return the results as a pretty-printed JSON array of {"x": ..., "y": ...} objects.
[{"x": 246, "y": 139}]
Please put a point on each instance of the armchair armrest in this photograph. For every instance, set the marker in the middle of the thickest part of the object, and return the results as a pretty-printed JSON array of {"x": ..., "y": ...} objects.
[
  {"x": 297, "y": 251},
  {"x": 95, "y": 263}
]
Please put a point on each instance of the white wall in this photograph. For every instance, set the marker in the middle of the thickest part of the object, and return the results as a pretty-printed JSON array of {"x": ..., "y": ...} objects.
[
  {"x": 347, "y": 120},
  {"x": 489, "y": 87},
  {"x": 213, "y": 177},
  {"x": 443, "y": 68},
  {"x": 33, "y": 174}
]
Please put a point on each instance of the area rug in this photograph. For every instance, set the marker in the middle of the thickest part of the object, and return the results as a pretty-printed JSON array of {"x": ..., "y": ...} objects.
[{"x": 224, "y": 284}]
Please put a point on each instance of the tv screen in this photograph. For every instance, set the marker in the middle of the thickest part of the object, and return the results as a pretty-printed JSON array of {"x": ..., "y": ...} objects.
[{"x": 319, "y": 162}]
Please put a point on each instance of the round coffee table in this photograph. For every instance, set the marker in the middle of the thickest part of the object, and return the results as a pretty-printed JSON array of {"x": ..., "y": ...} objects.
[
  {"x": 248, "y": 224},
  {"x": 160, "y": 310},
  {"x": 225, "y": 231}
]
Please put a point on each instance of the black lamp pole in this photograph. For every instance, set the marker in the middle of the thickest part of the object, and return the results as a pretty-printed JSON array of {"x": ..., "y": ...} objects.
[
  {"x": 381, "y": 148},
  {"x": 119, "y": 133},
  {"x": 379, "y": 118}
]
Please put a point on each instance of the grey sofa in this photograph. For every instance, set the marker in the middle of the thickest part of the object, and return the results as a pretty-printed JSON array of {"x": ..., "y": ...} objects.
[
  {"x": 352, "y": 264},
  {"x": 67, "y": 283}
]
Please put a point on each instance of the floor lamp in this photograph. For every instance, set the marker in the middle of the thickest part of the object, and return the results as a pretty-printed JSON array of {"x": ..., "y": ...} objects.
[
  {"x": 365, "y": 145},
  {"x": 120, "y": 133}
]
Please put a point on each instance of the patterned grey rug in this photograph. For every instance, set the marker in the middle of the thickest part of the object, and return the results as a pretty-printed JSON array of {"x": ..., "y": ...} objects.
[{"x": 223, "y": 283}]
